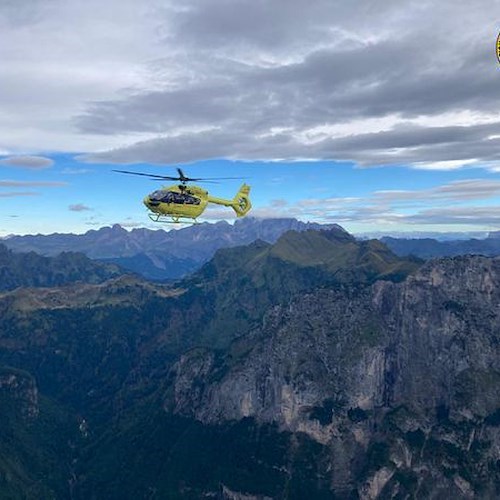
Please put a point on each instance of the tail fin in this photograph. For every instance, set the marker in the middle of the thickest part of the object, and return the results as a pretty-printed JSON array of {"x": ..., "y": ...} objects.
[{"x": 241, "y": 202}]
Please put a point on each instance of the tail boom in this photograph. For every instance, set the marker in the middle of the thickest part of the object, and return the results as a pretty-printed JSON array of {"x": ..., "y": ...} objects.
[{"x": 240, "y": 203}]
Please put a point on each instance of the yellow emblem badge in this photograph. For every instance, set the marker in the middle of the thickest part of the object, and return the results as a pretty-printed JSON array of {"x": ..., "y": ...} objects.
[{"x": 498, "y": 47}]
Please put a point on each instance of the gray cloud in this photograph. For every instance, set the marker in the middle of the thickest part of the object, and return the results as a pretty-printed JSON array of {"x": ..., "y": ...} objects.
[
  {"x": 9, "y": 183},
  {"x": 480, "y": 217},
  {"x": 326, "y": 87},
  {"x": 410, "y": 144},
  {"x": 283, "y": 27},
  {"x": 79, "y": 207},
  {"x": 456, "y": 191},
  {"x": 29, "y": 162},
  {"x": 26, "y": 12},
  {"x": 475, "y": 216},
  {"x": 383, "y": 82},
  {"x": 15, "y": 194},
  {"x": 278, "y": 78}
]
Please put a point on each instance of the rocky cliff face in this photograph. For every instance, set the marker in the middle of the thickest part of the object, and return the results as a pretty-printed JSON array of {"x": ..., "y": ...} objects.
[
  {"x": 400, "y": 383},
  {"x": 36, "y": 443},
  {"x": 20, "y": 388}
]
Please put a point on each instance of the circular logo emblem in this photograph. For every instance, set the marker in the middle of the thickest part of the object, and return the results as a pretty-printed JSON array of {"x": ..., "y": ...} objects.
[{"x": 498, "y": 47}]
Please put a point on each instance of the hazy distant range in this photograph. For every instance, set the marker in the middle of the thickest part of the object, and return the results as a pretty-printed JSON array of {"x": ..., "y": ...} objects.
[{"x": 164, "y": 255}]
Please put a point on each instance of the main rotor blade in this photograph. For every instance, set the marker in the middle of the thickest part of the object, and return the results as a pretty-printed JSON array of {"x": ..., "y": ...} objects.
[
  {"x": 185, "y": 178},
  {"x": 213, "y": 178},
  {"x": 202, "y": 181},
  {"x": 182, "y": 177},
  {"x": 151, "y": 176},
  {"x": 226, "y": 178}
]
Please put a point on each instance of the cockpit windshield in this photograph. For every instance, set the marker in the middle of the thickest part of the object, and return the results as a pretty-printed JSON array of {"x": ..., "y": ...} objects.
[{"x": 157, "y": 195}]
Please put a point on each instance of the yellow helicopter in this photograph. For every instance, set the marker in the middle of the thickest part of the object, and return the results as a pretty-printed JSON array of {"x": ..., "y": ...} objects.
[{"x": 182, "y": 203}]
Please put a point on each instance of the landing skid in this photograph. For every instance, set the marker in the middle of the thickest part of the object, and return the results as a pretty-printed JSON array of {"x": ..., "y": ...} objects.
[{"x": 172, "y": 219}]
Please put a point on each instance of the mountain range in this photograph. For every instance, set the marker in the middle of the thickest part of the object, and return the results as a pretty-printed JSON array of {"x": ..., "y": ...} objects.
[
  {"x": 317, "y": 366},
  {"x": 167, "y": 255},
  {"x": 428, "y": 248},
  {"x": 160, "y": 254}
]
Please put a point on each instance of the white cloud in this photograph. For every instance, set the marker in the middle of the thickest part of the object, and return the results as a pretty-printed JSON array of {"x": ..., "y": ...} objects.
[
  {"x": 447, "y": 204},
  {"x": 130, "y": 224},
  {"x": 75, "y": 171},
  {"x": 445, "y": 164}
]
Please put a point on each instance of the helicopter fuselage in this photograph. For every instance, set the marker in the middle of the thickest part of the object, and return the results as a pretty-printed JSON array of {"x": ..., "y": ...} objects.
[
  {"x": 182, "y": 203},
  {"x": 177, "y": 201}
]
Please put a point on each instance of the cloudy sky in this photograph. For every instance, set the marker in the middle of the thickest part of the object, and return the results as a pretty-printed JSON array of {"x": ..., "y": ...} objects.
[{"x": 380, "y": 115}]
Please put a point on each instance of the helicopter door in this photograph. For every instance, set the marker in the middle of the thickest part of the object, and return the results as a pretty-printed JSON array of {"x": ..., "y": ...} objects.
[{"x": 191, "y": 200}]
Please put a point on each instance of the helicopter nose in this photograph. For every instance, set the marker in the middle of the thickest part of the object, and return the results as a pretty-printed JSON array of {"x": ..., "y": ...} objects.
[{"x": 149, "y": 202}]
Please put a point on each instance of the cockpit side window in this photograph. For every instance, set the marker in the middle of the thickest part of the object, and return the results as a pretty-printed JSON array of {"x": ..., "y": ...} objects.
[
  {"x": 191, "y": 200},
  {"x": 174, "y": 197}
]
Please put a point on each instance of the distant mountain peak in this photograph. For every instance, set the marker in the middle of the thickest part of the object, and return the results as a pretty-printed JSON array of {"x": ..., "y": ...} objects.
[
  {"x": 115, "y": 228},
  {"x": 304, "y": 260},
  {"x": 337, "y": 233}
]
